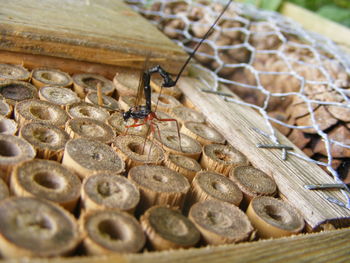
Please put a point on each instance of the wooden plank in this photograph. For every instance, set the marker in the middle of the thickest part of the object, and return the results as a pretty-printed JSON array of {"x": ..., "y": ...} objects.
[
  {"x": 236, "y": 123},
  {"x": 329, "y": 246},
  {"x": 98, "y": 31},
  {"x": 70, "y": 66},
  {"x": 313, "y": 22}
]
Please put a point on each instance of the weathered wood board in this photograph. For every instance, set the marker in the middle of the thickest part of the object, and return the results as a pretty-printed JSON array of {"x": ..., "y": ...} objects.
[
  {"x": 328, "y": 246},
  {"x": 99, "y": 31},
  {"x": 237, "y": 124}
]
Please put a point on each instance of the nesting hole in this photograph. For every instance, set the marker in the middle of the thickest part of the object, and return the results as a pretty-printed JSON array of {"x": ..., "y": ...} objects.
[
  {"x": 96, "y": 156},
  {"x": 40, "y": 223},
  {"x": 107, "y": 189},
  {"x": 200, "y": 129},
  {"x": 9, "y": 149},
  {"x": 92, "y": 82},
  {"x": 42, "y": 113},
  {"x": 91, "y": 129},
  {"x": 86, "y": 112},
  {"x": 160, "y": 178},
  {"x": 16, "y": 92},
  {"x": 46, "y": 135},
  {"x": 109, "y": 229},
  {"x": 136, "y": 148},
  {"x": 220, "y": 220},
  {"x": 176, "y": 226},
  {"x": 57, "y": 95},
  {"x": 172, "y": 139},
  {"x": 49, "y": 180},
  {"x": 222, "y": 156},
  {"x": 219, "y": 186},
  {"x": 50, "y": 76},
  {"x": 274, "y": 212}
]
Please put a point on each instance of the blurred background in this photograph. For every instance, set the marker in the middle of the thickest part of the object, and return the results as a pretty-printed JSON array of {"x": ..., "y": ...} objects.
[{"x": 335, "y": 10}]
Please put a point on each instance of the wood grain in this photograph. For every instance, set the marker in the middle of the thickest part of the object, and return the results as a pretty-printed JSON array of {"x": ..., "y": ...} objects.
[
  {"x": 328, "y": 246},
  {"x": 237, "y": 123},
  {"x": 99, "y": 31}
]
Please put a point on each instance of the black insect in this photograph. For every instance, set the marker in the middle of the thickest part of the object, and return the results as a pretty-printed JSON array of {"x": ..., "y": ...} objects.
[{"x": 144, "y": 112}]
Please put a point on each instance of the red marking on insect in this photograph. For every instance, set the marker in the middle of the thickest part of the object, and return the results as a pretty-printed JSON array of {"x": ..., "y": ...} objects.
[{"x": 144, "y": 112}]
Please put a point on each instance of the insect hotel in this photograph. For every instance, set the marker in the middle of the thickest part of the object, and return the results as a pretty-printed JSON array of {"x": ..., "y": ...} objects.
[{"x": 117, "y": 145}]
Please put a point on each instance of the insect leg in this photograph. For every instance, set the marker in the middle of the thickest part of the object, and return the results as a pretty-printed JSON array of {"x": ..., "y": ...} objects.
[
  {"x": 177, "y": 128},
  {"x": 130, "y": 126}
]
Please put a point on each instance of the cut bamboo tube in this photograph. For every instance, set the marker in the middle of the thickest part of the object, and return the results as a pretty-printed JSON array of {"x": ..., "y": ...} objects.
[
  {"x": 239, "y": 126},
  {"x": 14, "y": 91},
  {"x": 5, "y": 108},
  {"x": 184, "y": 165},
  {"x": 136, "y": 150},
  {"x": 111, "y": 231},
  {"x": 86, "y": 82},
  {"x": 170, "y": 141},
  {"x": 222, "y": 158},
  {"x": 108, "y": 102},
  {"x": 220, "y": 222},
  {"x": 7, "y": 126},
  {"x": 87, "y": 157},
  {"x": 164, "y": 102},
  {"x": 126, "y": 83},
  {"x": 90, "y": 129},
  {"x": 4, "y": 190},
  {"x": 31, "y": 227},
  {"x": 159, "y": 185},
  {"x": 202, "y": 133},
  {"x": 117, "y": 122},
  {"x": 109, "y": 191},
  {"x": 14, "y": 72},
  {"x": 252, "y": 182},
  {"x": 156, "y": 85},
  {"x": 13, "y": 151},
  {"x": 165, "y": 125},
  {"x": 183, "y": 114},
  {"x": 87, "y": 110},
  {"x": 208, "y": 185},
  {"x": 48, "y": 140},
  {"x": 50, "y": 77},
  {"x": 46, "y": 180},
  {"x": 166, "y": 228},
  {"x": 59, "y": 96},
  {"x": 127, "y": 102},
  {"x": 274, "y": 218},
  {"x": 40, "y": 111}
]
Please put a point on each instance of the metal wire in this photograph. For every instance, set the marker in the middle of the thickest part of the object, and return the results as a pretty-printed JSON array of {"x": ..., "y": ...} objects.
[{"x": 327, "y": 65}]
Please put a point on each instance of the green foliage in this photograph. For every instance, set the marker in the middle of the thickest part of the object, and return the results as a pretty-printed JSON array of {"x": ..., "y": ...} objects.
[
  {"x": 272, "y": 5},
  {"x": 336, "y": 14},
  {"x": 336, "y": 10}
]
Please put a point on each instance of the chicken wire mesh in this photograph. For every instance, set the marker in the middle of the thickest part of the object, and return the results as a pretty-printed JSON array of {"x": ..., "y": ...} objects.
[{"x": 299, "y": 81}]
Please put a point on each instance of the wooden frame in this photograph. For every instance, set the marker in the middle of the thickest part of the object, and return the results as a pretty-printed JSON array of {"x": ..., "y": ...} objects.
[{"x": 325, "y": 246}]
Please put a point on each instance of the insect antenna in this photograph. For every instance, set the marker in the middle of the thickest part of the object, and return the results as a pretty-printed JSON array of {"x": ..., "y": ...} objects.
[{"x": 201, "y": 41}]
